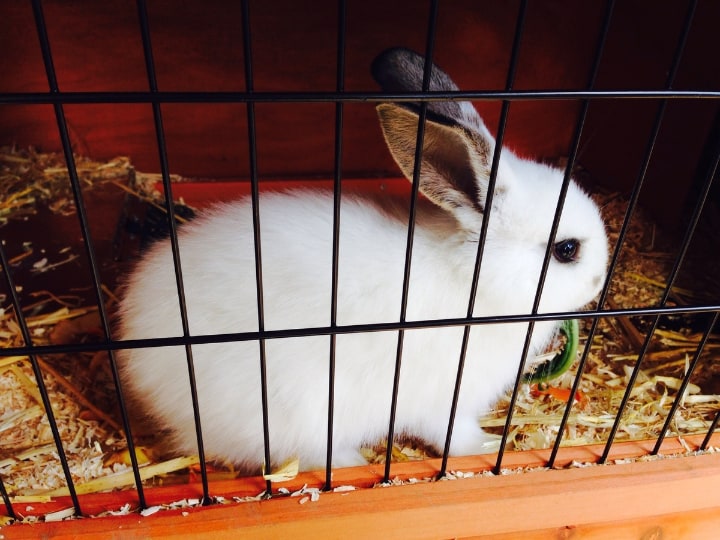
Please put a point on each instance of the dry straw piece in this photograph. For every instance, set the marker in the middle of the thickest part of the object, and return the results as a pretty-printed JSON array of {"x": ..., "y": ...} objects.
[{"x": 95, "y": 445}]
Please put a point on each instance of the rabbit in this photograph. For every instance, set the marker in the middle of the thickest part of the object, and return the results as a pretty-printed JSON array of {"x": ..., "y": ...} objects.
[{"x": 218, "y": 269}]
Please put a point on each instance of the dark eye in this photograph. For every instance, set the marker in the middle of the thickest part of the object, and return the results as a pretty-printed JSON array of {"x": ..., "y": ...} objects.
[{"x": 566, "y": 251}]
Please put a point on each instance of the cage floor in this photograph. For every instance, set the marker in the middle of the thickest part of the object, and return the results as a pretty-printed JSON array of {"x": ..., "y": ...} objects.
[{"x": 59, "y": 309}]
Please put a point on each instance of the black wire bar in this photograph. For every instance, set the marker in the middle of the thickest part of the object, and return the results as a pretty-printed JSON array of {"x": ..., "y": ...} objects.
[
  {"x": 711, "y": 431},
  {"x": 710, "y": 176},
  {"x": 685, "y": 242},
  {"x": 42, "y": 389},
  {"x": 648, "y": 338},
  {"x": 680, "y": 394},
  {"x": 89, "y": 98},
  {"x": 605, "y": 29},
  {"x": 415, "y": 188},
  {"x": 201, "y": 339},
  {"x": 337, "y": 198},
  {"x": 41, "y": 29},
  {"x": 6, "y": 501},
  {"x": 340, "y": 97},
  {"x": 632, "y": 204},
  {"x": 504, "y": 111},
  {"x": 255, "y": 201},
  {"x": 170, "y": 209},
  {"x": 567, "y": 178},
  {"x": 5, "y": 268},
  {"x": 87, "y": 241},
  {"x": 629, "y": 212}
]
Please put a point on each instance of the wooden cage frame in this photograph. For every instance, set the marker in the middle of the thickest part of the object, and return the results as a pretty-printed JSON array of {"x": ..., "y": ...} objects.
[
  {"x": 665, "y": 497},
  {"x": 645, "y": 497}
]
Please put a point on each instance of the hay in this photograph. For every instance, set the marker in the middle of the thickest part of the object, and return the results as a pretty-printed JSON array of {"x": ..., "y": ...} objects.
[
  {"x": 29, "y": 178},
  {"x": 95, "y": 445},
  {"x": 639, "y": 281},
  {"x": 93, "y": 442},
  {"x": 28, "y": 457}
]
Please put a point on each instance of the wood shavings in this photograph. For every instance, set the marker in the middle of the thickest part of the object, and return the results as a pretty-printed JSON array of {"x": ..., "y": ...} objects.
[
  {"x": 28, "y": 177},
  {"x": 122, "y": 457},
  {"x": 28, "y": 458},
  {"x": 127, "y": 509},
  {"x": 402, "y": 450},
  {"x": 150, "y": 511},
  {"x": 79, "y": 386},
  {"x": 95, "y": 446},
  {"x": 125, "y": 477},
  {"x": 60, "y": 515},
  {"x": 308, "y": 494},
  {"x": 639, "y": 281},
  {"x": 29, "y": 463},
  {"x": 286, "y": 471}
]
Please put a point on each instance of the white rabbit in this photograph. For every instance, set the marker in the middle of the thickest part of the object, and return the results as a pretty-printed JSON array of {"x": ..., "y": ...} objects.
[{"x": 218, "y": 268}]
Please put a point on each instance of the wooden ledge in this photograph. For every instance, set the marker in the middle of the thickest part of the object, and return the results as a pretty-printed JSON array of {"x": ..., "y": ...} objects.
[{"x": 674, "y": 497}]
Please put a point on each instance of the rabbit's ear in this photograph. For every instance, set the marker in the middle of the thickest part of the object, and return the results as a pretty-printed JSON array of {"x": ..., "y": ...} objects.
[
  {"x": 455, "y": 165},
  {"x": 402, "y": 70}
]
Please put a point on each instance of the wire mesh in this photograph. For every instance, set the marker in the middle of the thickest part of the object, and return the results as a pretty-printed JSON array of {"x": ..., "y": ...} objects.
[{"x": 340, "y": 97}]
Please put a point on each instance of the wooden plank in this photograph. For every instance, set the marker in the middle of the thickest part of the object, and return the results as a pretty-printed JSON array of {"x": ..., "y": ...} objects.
[
  {"x": 499, "y": 505},
  {"x": 360, "y": 477},
  {"x": 693, "y": 524},
  {"x": 596, "y": 498}
]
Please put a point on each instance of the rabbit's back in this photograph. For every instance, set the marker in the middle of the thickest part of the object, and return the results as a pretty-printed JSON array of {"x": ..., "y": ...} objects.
[{"x": 217, "y": 258}]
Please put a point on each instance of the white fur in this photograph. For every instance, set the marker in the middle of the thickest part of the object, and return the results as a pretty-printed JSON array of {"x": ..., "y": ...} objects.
[
  {"x": 218, "y": 268},
  {"x": 219, "y": 275}
]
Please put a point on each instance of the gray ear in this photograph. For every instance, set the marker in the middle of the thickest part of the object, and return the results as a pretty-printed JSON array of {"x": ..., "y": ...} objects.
[
  {"x": 402, "y": 70},
  {"x": 455, "y": 163},
  {"x": 457, "y": 147}
]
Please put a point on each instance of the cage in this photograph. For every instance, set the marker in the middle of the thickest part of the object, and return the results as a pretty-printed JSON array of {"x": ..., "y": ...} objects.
[{"x": 211, "y": 101}]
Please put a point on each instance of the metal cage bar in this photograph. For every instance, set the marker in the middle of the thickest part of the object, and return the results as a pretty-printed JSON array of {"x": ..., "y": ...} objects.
[
  {"x": 680, "y": 48},
  {"x": 679, "y": 397},
  {"x": 604, "y": 31},
  {"x": 340, "y": 97},
  {"x": 86, "y": 235},
  {"x": 94, "y": 97},
  {"x": 709, "y": 178},
  {"x": 42, "y": 388},
  {"x": 567, "y": 177},
  {"x": 5, "y": 267},
  {"x": 170, "y": 209},
  {"x": 255, "y": 202},
  {"x": 502, "y": 124},
  {"x": 89, "y": 250},
  {"x": 427, "y": 70},
  {"x": 201, "y": 339},
  {"x": 337, "y": 198},
  {"x": 711, "y": 430}
]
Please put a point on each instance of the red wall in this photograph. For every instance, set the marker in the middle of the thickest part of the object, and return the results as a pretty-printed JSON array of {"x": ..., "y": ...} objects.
[{"x": 198, "y": 46}]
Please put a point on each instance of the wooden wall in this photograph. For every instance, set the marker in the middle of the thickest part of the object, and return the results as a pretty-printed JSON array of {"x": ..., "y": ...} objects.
[{"x": 198, "y": 46}]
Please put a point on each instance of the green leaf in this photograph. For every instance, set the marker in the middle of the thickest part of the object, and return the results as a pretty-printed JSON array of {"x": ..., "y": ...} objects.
[{"x": 561, "y": 362}]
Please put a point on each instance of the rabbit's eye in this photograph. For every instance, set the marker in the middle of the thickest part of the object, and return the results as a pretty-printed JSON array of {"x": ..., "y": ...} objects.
[{"x": 566, "y": 251}]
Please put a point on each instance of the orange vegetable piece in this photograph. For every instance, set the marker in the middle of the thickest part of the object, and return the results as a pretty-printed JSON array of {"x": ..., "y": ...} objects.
[{"x": 562, "y": 394}]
